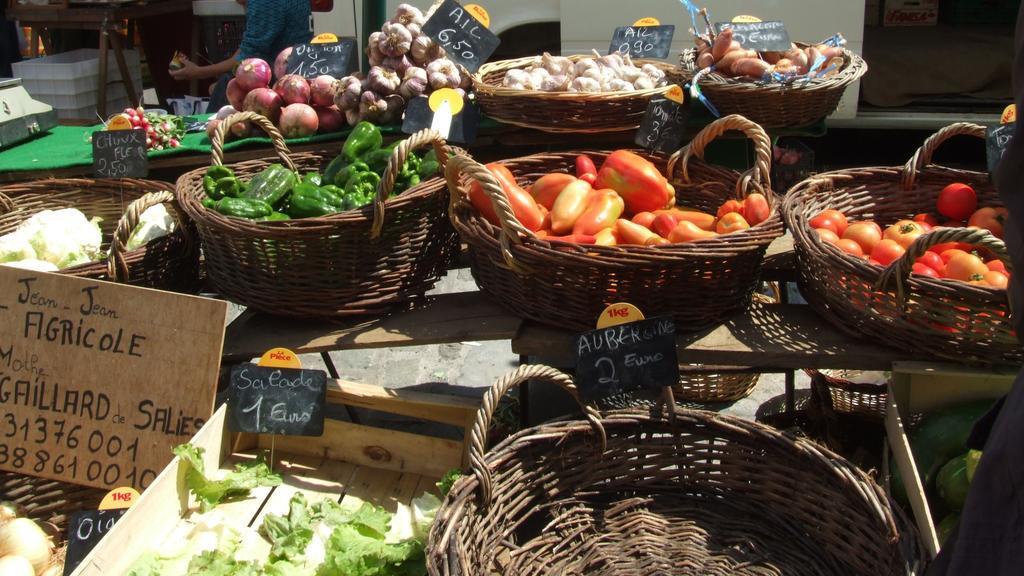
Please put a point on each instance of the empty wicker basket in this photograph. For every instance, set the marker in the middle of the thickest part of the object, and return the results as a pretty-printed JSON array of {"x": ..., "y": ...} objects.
[{"x": 631, "y": 493}]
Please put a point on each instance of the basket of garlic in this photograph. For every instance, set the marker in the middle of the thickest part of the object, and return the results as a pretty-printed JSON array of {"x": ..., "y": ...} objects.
[{"x": 580, "y": 94}]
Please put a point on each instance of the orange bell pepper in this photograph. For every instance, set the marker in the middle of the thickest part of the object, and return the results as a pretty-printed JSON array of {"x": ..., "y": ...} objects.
[
  {"x": 585, "y": 169},
  {"x": 664, "y": 224},
  {"x": 604, "y": 209},
  {"x": 731, "y": 222},
  {"x": 637, "y": 180},
  {"x": 645, "y": 219},
  {"x": 687, "y": 231},
  {"x": 546, "y": 189},
  {"x": 730, "y": 206},
  {"x": 630, "y": 233},
  {"x": 572, "y": 201},
  {"x": 523, "y": 205},
  {"x": 703, "y": 220}
]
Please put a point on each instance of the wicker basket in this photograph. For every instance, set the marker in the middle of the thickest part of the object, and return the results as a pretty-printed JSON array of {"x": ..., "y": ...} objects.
[
  {"x": 843, "y": 395},
  {"x": 567, "y": 285},
  {"x": 561, "y": 112},
  {"x": 775, "y": 105},
  {"x": 168, "y": 263},
  {"x": 631, "y": 493},
  {"x": 351, "y": 263},
  {"x": 925, "y": 316}
]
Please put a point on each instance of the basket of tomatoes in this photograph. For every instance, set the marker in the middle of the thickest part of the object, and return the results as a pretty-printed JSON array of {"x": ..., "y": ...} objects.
[
  {"x": 911, "y": 257},
  {"x": 674, "y": 236}
]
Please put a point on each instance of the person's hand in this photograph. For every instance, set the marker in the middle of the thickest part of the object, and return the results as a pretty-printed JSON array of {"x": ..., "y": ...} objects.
[{"x": 189, "y": 70}]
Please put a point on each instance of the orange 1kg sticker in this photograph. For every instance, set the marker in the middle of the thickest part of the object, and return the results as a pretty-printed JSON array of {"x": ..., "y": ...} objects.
[
  {"x": 480, "y": 14},
  {"x": 648, "y": 21},
  {"x": 1009, "y": 115},
  {"x": 620, "y": 313},
  {"x": 280, "y": 358},
  {"x": 119, "y": 498},
  {"x": 675, "y": 94}
]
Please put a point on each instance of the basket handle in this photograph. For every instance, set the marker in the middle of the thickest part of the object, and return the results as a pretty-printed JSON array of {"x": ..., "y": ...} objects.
[
  {"x": 899, "y": 271},
  {"x": 923, "y": 156},
  {"x": 117, "y": 264},
  {"x": 6, "y": 204},
  {"x": 399, "y": 155},
  {"x": 759, "y": 175},
  {"x": 217, "y": 142},
  {"x": 478, "y": 435},
  {"x": 512, "y": 230}
]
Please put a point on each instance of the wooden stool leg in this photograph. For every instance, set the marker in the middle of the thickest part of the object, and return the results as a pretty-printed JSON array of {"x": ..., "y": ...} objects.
[
  {"x": 34, "y": 42},
  {"x": 122, "y": 66},
  {"x": 101, "y": 91}
]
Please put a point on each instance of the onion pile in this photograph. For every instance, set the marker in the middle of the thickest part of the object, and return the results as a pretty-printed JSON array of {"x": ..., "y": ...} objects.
[{"x": 25, "y": 550}]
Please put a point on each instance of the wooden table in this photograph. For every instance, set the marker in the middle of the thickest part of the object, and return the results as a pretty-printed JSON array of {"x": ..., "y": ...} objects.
[{"x": 107, "y": 19}]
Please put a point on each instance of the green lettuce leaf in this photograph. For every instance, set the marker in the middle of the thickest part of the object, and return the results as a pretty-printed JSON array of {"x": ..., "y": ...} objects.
[{"x": 236, "y": 484}]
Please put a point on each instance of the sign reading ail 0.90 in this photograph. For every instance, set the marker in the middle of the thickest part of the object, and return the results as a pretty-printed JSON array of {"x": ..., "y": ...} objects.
[
  {"x": 626, "y": 357},
  {"x": 99, "y": 381},
  {"x": 465, "y": 39},
  {"x": 269, "y": 400}
]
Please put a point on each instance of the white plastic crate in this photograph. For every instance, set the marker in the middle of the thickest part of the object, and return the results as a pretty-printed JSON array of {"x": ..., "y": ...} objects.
[
  {"x": 90, "y": 98},
  {"x": 116, "y": 104},
  {"x": 74, "y": 72}
]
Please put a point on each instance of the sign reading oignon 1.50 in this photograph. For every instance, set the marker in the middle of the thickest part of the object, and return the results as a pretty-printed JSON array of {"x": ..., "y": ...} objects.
[{"x": 98, "y": 381}]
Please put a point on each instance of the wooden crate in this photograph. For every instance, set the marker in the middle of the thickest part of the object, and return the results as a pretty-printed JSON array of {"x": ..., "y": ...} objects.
[
  {"x": 376, "y": 465},
  {"x": 919, "y": 388}
]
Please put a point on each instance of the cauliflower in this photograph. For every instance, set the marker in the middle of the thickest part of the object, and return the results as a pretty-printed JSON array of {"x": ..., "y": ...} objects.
[
  {"x": 63, "y": 237},
  {"x": 15, "y": 247},
  {"x": 154, "y": 223}
]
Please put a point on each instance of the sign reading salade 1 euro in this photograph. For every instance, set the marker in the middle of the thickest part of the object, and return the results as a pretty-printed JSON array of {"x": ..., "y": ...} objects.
[{"x": 98, "y": 381}]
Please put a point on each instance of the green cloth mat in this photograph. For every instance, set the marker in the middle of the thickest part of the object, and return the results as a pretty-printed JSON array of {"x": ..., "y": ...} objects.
[{"x": 69, "y": 146}]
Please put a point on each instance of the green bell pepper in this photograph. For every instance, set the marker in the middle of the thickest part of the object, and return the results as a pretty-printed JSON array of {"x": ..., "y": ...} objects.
[
  {"x": 346, "y": 173},
  {"x": 362, "y": 183},
  {"x": 429, "y": 166},
  {"x": 365, "y": 137},
  {"x": 403, "y": 184},
  {"x": 240, "y": 207},
  {"x": 313, "y": 203},
  {"x": 313, "y": 178},
  {"x": 229, "y": 187},
  {"x": 332, "y": 168},
  {"x": 214, "y": 173},
  {"x": 274, "y": 217},
  {"x": 378, "y": 159}
]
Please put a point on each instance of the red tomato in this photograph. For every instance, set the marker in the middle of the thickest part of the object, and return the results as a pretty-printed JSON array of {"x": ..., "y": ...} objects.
[
  {"x": 730, "y": 206},
  {"x": 825, "y": 224},
  {"x": 924, "y": 270},
  {"x": 932, "y": 260},
  {"x": 991, "y": 219},
  {"x": 731, "y": 222},
  {"x": 867, "y": 234},
  {"x": 946, "y": 255},
  {"x": 827, "y": 235},
  {"x": 957, "y": 201},
  {"x": 837, "y": 217},
  {"x": 965, "y": 267},
  {"x": 874, "y": 262},
  {"x": 996, "y": 265},
  {"x": 850, "y": 247},
  {"x": 928, "y": 219},
  {"x": 997, "y": 279},
  {"x": 904, "y": 232},
  {"x": 940, "y": 248},
  {"x": 887, "y": 251},
  {"x": 755, "y": 209}
]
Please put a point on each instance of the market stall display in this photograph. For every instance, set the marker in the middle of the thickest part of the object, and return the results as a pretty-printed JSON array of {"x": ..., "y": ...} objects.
[
  {"x": 562, "y": 282},
  {"x": 582, "y": 93},
  {"x": 725, "y": 494},
  {"x": 963, "y": 318},
  {"x": 83, "y": 227},
  {"x": 775, "y": 89},
  {"x": 337, "y": 260}
]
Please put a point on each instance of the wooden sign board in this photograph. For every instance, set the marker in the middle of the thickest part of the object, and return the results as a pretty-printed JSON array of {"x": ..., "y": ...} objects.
[
  {"x": 465, "y": 39},
  {"x": 98, "y": 381},
  {"x": 768, "y": 36},
  {"x": 273, "y": 400},
  {"x": 85, "y": 531},
  {"x": 119, "y": 154},
  {"x": 626, "y": 357},
  {"x": 330, "y": 58},
  {"x": 643, "y": 41},
  {"x": 419, "y": 116},
  {"x": 663, "y": 127},
  {"x": 997, "y": 139}
]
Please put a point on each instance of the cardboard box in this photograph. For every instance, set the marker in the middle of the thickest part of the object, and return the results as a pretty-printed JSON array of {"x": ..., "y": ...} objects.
[
  {"x": 910, "y": 13},
  {"x": 919, "y": 387}
]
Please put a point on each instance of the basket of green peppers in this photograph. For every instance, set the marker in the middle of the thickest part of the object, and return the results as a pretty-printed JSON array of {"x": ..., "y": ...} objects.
[{"x": 313, "y": 235}]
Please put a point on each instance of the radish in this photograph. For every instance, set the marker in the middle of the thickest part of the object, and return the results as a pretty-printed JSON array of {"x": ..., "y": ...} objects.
[
  {"x": 298, "y": 121},
  {"x": 252, "y": 73},
  {"x": 236, "y": 94},
  {"x": 293, "y": 89},
  {"x": 265, "y": 102},
  {"x": 329, "y": 119},
  {"x": 321, "y": 90},
  {"x": 281, "y": 63},
  {"x": 225, "y": 111}
]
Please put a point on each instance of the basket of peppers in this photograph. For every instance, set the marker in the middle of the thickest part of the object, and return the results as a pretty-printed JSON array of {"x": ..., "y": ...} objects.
[
  {"x": 306, "y": 235},
  {"x": 558, "y": 248}
]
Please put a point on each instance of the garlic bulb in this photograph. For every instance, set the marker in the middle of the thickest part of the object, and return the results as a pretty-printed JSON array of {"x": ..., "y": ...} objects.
[
  {"x": 654, "y": 72},
  {"x": 556, "y": 65},
  {"x": 644, "y": 82},
  {"x": 617, "y": 85},
  {"x": 515, "y": 78},
  {"x": 585, "y": 64},
  {"x": 584, "y": 84},
  {"x": 555, "y": 83}
]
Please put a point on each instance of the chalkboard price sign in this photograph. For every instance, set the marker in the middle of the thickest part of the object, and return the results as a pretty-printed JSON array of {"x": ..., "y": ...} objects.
[
  {"x": 419, "y": 116},
  {"x": 760, "y": 36},
  {"x": 85, "y": 532},
  {"x": 643, "y": 41},
  {"x": 119, "y": 154},
  {"x": 465, "y": 39},
  {"x": 663, "y": 126},
  {"x": 268, "y": 400},
  {"x": 330, "y": 58},
  {"x": 626, "y": 357},
  {"x": 996, "y": 141}
]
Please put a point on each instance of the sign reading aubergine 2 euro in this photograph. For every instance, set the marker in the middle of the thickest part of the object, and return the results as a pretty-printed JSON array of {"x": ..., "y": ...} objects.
[
  {"x": 626, "y": 357},
  {"x": 98, "y": 381}
]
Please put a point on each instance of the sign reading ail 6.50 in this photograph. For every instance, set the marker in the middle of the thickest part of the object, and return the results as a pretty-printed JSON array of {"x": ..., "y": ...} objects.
[{"x": 99, "y": 381}]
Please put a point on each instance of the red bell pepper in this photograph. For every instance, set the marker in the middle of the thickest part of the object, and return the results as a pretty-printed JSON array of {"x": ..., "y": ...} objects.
[
  {"x": 525, "y": 209},
  {"x": 545, "y": 190},
  {"x": 637, "y": 180},
  {"x": 585, "y": 169}
]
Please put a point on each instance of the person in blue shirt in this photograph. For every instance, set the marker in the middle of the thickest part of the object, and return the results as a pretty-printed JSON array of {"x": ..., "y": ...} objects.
[{"x": 270, "y": 26}]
